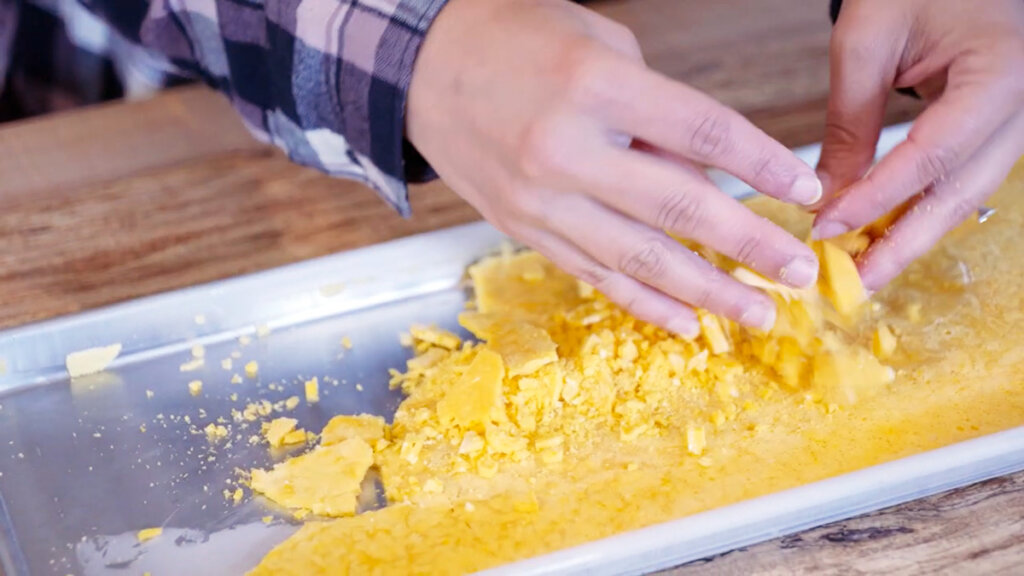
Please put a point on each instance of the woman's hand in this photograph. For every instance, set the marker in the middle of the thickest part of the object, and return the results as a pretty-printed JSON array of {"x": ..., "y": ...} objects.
[
  {"x": 543, "y": 116},
  {"x": 966, "y": 59}
]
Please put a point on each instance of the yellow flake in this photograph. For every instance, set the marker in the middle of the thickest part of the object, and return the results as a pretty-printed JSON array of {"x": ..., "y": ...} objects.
[
  {"x": 267, "y": 519},
  {"x": 913, "y": 311},
  {"x": 523, "y": 347},
  {"x": 148, "y": 534},
  {"x": 91, "y": 360},
  {"x": 476, "y": 398},
  {"x": 192, "y": 365},
  {"x": 435, "y": 336},
  {"x": 226, "y": 363},
  {"x": 696, "y": 440},
  {"x": 195, "y": 387},
  {"x": 346, "y": 343},
  {"x": 714, "y": 336},
  {"x": 198, "y": 351},
  {"x": 237, "y": 495},
  {"x": 252, "y": 369},
  {"x": 843, "y": 285},
  {"x": 325, "y": 481},
  {"x": 291, "y": 402},
  {"x": 236, "y": 379},
  {"x": 883, "y": 343},
  {"x": 277, "y": 432},
  {"x": 312, "y": 391},
  {"x": 215, "y": 432},
  {"x": 367, "y": 427}
]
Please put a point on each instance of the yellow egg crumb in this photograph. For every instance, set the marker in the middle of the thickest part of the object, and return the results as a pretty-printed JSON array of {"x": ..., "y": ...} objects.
[
  {"x": 252, "y": 369},
  {"x": 291, "y": 402},
  {"x": 278, "y": 432},
  {"x": 226, "y": 363},
  {"x": 195, "y": 387},
  {"x": 215, "y": 432},
  {"x": 346, "y": 343},
  {"x": 367, "y": 427},
  {"x": 883, "y": 344},
  {"x": 236, "y": 379},
  {"x": 148, "y": 534},
  {"x": 312, "y": 388},
  {"x": 198, "y": 351},
  {"x": 91, "y": 360}
]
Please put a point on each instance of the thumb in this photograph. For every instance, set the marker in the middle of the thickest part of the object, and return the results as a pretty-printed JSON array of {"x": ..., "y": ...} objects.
[{"x": 862, "y": 67}]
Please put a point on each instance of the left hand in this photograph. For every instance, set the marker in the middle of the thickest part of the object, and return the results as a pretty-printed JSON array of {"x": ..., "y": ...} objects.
[{"x": 966, "y": 59}]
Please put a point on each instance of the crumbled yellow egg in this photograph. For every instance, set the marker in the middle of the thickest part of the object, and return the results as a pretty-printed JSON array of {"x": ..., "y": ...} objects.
[
  {"x": 367, "y": 427},
  {"x": 476, "y": 398},
  {"x": 252, "y": 368},
  {"x": 198, "y": 351},
  {"x": 192, "y": 365},
  {"x": 237, "y": 495},
  {"x": 696, "y": 440},
  {"x": 291, "y": 402},
  {"x": 91, "y": 360},
  {"x": 312, "y": 389},
  {"x": 236, "y": 379},
  {"x": 883, "y": 344},
  {"x": 226, "y": 363},
  {"x": 843, "y": 285},
  {"x": 346, "y": 343},
  {"x": 215, "y": 432},
  {"x": 714, "y": 335},
  {"x": 279, "y": 432},
  {"x": 149, "y": 533},
  {"x": 195, "y": 387},
  {"x": 267, "y": 519},
  {"x": 326, "y": 481},
  {"x": 435, "y": 336}
]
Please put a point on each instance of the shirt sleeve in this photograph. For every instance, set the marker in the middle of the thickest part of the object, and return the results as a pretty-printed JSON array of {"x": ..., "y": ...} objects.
[{"x": 325, "y": 80}]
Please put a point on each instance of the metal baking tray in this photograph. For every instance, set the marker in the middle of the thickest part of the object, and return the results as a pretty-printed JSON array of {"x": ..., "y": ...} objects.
[{"x": 78, "y": 477}]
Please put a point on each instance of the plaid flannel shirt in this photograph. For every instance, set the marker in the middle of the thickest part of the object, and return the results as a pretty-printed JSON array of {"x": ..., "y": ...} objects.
[{"x": 325, "y": 80}]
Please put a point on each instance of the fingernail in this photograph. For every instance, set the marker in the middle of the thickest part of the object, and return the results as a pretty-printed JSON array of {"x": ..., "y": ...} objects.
[
  {"x": 828, "y": 229},
  {"x": 806, "y": 189},
  {"x": 759, "y": 315},
  {"x": 800, "y": 272},
  {"x": 685, "y": 327}
]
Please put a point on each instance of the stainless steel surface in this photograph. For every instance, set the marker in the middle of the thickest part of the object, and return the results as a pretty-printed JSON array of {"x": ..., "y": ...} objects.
[{"x": 78, "y": 476}]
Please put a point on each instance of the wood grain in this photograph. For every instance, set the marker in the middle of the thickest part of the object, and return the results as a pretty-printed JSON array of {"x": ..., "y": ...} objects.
[{"x": 128, "y": 199}]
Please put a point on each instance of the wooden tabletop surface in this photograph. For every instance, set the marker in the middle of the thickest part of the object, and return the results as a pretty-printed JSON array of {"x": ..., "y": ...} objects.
[{"x": 127, "y": 199}]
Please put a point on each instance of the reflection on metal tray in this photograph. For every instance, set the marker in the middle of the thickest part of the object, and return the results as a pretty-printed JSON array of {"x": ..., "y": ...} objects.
[{"x": 79, "y": 476}]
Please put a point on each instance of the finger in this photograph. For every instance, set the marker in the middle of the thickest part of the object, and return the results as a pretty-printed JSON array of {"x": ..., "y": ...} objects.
[
  {"x": 945, "y": 135},
  {"x": 640, "y": 300},
  {"x": 649, "y": 256},
  {"x": 863, "y": 59},
  {"x": 682, "y": 120},
  {"x": 944, "y": 207},
  {"x": 682, "y": 201}
]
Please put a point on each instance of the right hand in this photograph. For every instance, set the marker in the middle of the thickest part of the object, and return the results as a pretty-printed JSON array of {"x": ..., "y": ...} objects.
[{"x": 527, "y": 109}]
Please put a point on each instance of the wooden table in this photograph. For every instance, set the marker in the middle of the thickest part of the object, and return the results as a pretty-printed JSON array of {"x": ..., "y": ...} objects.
[{"x": 128, "y": 199}]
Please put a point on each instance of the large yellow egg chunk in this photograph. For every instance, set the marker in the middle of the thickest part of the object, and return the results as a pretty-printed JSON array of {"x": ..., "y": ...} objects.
[{"x": 476, "y": 398}]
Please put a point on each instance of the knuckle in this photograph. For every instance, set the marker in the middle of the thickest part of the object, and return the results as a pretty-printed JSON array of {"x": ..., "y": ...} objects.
[
  {"x": 681, "y": 213},
  {"x": 646, "y": 262},
  {"x": 747, "y": 249},
  {"x": 710, "y": 135},
  {"x": 839, "y": 133},
  {"x": 935, "y": 163},
  {"x": 527, "y": 204},
  {"x": 540, "y": 154},
  {"x": 961, "y": 210},
  {"x": 593, "y": 273},
  {"x": 587, "y": 76}
]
